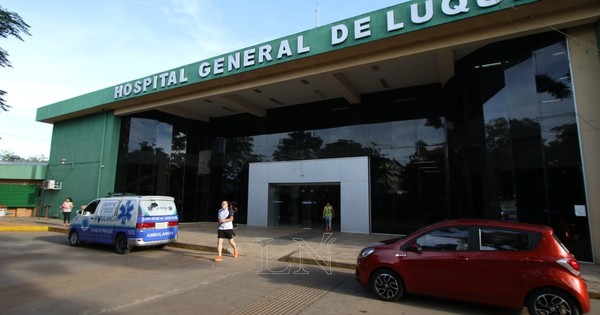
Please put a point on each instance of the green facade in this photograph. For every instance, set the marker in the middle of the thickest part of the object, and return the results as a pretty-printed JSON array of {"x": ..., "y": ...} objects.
[{"x": 83, "y": 159}]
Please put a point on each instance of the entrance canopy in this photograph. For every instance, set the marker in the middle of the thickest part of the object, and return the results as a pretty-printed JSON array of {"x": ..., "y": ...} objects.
[{"x": 345, "y": 59}]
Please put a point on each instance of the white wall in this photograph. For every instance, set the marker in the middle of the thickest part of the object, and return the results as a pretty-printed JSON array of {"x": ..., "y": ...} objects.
[{"x": 351, "y": 173}]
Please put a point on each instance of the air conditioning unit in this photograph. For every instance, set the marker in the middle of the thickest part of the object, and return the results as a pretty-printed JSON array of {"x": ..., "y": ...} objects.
[{"x": 51, "y": 184}]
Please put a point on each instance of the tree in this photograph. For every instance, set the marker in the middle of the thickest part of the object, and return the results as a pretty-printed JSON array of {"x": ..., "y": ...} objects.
[
  {"x": 299, "y": 145},
  {"x": 10, "y": 156},
  {"x": 11, "y": 24}
]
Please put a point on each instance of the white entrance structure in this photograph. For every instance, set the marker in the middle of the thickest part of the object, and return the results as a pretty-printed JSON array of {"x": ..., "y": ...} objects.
[{"x": 352, "y": 174}]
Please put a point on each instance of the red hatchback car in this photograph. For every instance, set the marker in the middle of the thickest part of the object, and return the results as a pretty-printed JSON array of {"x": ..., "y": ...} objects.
[{"x": 501, "y": 263}]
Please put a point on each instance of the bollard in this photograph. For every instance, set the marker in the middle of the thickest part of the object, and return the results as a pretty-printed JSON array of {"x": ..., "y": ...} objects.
[{"x": 47, "y": 206}]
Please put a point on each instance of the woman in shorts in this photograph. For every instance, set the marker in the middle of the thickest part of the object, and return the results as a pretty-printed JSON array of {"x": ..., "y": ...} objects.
[{"x": 225, "y": 230}]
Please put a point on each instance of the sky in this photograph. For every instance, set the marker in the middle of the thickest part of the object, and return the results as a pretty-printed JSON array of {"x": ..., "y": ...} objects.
[{"x": 77, "y": 47}]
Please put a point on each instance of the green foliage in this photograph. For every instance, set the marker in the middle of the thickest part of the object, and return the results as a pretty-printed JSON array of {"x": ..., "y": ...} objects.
[
  {"x": 11, "y": 24},
  {"x": 6, "y": 155}
]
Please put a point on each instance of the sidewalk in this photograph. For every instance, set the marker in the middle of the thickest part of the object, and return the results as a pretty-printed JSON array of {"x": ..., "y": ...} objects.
[{"x": 289, "y": 244}]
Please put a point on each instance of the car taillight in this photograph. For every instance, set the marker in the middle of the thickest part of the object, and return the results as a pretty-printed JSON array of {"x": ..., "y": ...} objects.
[
  {"x": 145, "y": 225},
  {"x": 570, "y": 264},
  {"x": 156, "y": 225}
]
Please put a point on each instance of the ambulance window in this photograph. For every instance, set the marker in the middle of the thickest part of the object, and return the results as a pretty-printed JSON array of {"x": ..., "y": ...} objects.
[
  {"x": 91, "y": 208},
  {"x": 108, "y": 207}
]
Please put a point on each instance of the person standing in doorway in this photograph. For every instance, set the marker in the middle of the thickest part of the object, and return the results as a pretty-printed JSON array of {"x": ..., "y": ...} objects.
[
  {"x": 66, "y": 208},
  {"x": 225, "y": 230},
  {"x": 328, "y": 215}
]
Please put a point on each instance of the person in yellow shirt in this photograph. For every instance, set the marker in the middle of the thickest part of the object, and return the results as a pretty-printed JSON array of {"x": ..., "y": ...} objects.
[{"x": 328, "y": 215}]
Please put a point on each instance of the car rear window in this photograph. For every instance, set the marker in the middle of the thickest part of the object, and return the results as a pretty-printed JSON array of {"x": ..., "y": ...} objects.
[
  {"x": 157, "y": 207},
  {"x": 507, "y": 240}
]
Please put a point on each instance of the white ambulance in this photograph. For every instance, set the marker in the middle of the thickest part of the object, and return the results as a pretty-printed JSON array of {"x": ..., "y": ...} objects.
[{"x": 126, "y": 221}]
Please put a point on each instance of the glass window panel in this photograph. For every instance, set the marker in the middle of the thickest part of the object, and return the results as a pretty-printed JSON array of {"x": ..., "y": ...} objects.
[
  {"x": 360, "y": 134},
  {"x": 403, "y": 155},
  {"x": 272, "y": 142},
  {"x": 323, "y": 134},
  {"x": 164, "y": 137},
  {"x": 521, "y": 95},
  {"x": 404, "y": 133},
  {"x": 499, "y": 194},
  {"x": 142, "y": 134},
  {"x": 259, "y": 146},
  {"x": 431, "y": 131},
  {"x": 380, "y": 135},
  {"x": 553, "y": 81},
  {"x": 561, "y": 142},
  {"x": 338, "y": 144}
]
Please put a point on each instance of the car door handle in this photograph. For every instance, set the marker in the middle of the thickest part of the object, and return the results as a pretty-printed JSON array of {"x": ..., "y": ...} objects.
[{"x": 465, "y": 258}]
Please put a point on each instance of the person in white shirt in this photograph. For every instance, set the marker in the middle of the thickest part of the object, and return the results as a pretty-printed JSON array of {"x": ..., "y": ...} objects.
[
  {"x": 225, "y": 230},
  {"x": 66, "y": 208}
]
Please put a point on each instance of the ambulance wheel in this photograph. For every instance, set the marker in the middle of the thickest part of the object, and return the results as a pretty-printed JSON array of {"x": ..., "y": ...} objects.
[
  {"x": 121, "y": 244},
  {"x": 74, "y": 238}
]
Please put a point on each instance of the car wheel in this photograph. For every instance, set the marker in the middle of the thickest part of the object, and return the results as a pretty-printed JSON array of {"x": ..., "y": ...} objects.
[
  {"x": 551, "y": 301},
  {"x": 387, "y": 285},
  {"x": 121, "y": 244},
  {"x": 74, "y": 238}
]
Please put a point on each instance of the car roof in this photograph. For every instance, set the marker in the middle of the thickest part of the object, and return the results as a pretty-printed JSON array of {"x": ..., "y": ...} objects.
[
  {"x": 141, "y": 197},
  {"x": 494, "y": 223}
]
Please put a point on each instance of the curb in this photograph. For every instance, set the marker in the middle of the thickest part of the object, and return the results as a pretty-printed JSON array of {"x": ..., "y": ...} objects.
[
  {"x": 58, "y": 230},
  {"x": 321, "y": 263},
  {"x": 25, "y": 228},
  {"x": 203, "y": 248}
]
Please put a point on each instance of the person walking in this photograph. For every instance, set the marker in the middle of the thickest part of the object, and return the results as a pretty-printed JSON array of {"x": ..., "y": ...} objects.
[
  {"x": 66, "y": 208},
  {"x": 234, "y": 207},
  {"x": 328, "y": 215},
  {"x": 225, "y": 230}
]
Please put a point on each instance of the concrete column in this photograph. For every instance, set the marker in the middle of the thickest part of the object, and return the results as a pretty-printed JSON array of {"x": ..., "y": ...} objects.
[{"x": 585, "y": 68}]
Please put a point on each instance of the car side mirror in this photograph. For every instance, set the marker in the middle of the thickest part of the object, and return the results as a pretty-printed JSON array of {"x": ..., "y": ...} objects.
[
  {"x": 416, "y": 248},
  {"x": 79, "y": 211}
]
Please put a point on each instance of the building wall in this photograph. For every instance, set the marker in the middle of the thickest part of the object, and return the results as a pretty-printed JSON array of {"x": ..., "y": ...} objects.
[
  {"x": 83, "y": 158},
  {"x": 19, "y": 197},
  {"x": 20, "y": 186},
  {"x": 86, "y": 143},
  {"x": 585, "y": 68}
]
